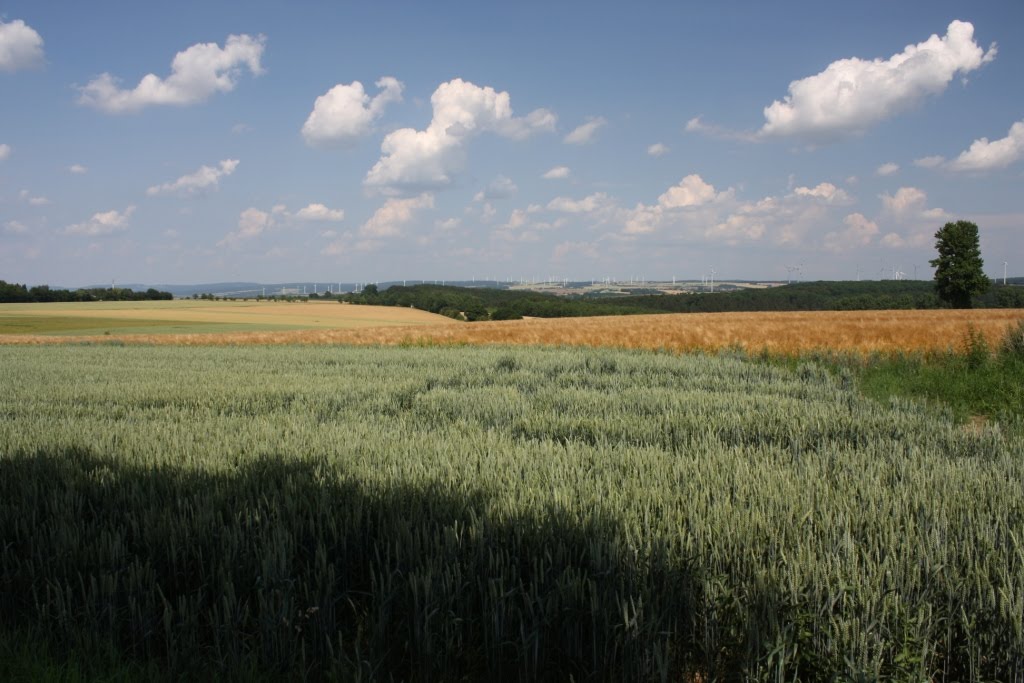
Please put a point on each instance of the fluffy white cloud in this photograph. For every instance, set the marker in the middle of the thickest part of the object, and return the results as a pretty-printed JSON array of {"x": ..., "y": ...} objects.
[
  {"x": 695, "y": 211},
  {"x": 205, "y": 178},
  {"x": 423, "y": 159},
  {"x": 5, "y": 151},
  {"x": 556, "y": 173},
  {"x": 588, "y": 204},
  {"x": 657, "y": 149},
  {"x": 103, "y": 223},
  {"x": 691, "y": 191},
  {"x": 15, "y": 228},
  {"x": 852, "y": 94},
  {"x": 499, "y": 188},
  {"x": 929, "y": 162},
  {"x": 859, "y": 232},
  {"x": 387, "y": 221},
  {"x": 346, "y": 113},
  {"x": 584, "y": 133},
  {"x": 887, "y": 169},
  {"x": 906, "y": 201},
  {"x": 523, "y": 225},
  {"x": 319, "y": 212},
  {"x": 78, "y": 169},
  {"x": 251, "y": 223},
  {"x": 196, "y": 73},
  {"x": 827, "y": 192},
  {"x": 983, "y": 155},
  {"x": 516, "y": 220},
  {"x": 21, "y": 47},
  {"x": 914, "y": 223}
]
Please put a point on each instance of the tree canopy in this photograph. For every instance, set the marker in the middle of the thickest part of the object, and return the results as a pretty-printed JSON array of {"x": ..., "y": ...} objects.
[{"x": 959, "y": 273}]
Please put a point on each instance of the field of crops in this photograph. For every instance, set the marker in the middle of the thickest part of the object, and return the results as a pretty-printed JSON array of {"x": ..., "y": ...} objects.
[
  {"x": 775, "y": 333},
  {"x": 183, "y": 317},
  {"x": 517, "y": 514}
]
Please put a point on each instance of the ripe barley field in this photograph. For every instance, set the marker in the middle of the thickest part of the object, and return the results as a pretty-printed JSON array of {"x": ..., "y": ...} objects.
[{"x": 789, "y": 333}]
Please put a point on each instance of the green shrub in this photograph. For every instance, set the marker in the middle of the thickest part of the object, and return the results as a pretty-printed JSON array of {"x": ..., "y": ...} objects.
[{"x": 975, "y": 348}]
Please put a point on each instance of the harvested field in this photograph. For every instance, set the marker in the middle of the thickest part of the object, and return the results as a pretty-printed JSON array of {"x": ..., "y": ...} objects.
[
  {"x": 118, "y": 318},
  {"x": 856, "y": 331}
]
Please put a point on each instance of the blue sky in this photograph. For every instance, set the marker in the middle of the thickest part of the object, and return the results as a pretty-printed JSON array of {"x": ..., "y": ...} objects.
[{"x": 212, "y": 141}]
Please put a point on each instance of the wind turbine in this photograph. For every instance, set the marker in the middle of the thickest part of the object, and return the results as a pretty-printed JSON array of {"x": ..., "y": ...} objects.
[
  {"x": 1004, "y": 273},
  {"x": 712, "y": 280}
]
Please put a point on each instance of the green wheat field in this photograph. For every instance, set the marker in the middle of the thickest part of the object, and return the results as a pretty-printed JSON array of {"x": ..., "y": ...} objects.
[{"x": 513, "y": 514}]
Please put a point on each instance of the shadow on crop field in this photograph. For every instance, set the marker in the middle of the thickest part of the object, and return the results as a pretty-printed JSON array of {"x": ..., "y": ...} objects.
[{"x": 293, "y": 569}]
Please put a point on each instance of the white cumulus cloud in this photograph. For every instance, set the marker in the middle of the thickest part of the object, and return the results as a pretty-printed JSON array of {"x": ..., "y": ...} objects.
[
  {"x": 907, "y": 200},
  {"x": 103, "y": 223},
  {"x": 929, "y": 162},
  {"x": 588, "y": 204},
  {"x": 852, "y": 94},
  {"x": 251, "y": 223},
  {"x": 887, "y": 168},
  {"x": 16, "y": 227},
  {"x": 196, "y": 73},
  {"x": 21, "y": 46},
  {"x": 688, "y": 194},
  {"x": 657, "y": 149},
  {"x": 319, "y": 212},
  {"x": 691, "y": 191},
  {"x": 983, "y": 155},
  {"x": 824, "y": 191},
  {"x": 907, "y": 212},
  {"x": 346, "y": 113},
  {"x": 5, "y": 151},
  {"x": 556, "y": 173},
  {"x": 387, "y": 221},
  {"x": 78, "y": 169},
  {"x": 859, "y": 232},
  {"x": 206, "y": 177},
  {"x": 584, "y": 133},
  {"x": 427, "y": 159}
]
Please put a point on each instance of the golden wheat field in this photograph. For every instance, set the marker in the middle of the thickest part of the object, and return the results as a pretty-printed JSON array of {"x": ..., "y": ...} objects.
[{"x": 785, "y": 333}]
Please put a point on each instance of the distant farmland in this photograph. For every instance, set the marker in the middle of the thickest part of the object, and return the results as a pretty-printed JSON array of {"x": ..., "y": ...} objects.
[
  {"x": 199, "y": 317},
  {"x": 787, "y": 332}
]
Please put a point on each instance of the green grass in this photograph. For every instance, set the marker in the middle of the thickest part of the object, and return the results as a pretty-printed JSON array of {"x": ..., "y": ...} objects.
[
  {"x": 995, "y": 389},
  {"x": 496, "y": 513}
]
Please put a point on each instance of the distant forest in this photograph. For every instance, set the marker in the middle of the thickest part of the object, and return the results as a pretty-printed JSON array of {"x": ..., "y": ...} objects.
[
  {"x": 466, "y": 303},
  {"x": 20, "y": 294}
]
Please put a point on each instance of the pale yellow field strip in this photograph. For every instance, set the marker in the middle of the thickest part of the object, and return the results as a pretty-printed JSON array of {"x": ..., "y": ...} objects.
[
  {"x": 856, "y": 331},
  {"x": 318, "y": 314}
]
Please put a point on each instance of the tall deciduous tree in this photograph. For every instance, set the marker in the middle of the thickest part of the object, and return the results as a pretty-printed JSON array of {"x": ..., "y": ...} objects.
[{"x": 958, "y": 268}]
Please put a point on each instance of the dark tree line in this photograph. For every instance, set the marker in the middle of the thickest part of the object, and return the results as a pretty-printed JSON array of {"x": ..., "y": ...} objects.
[
  {"x": 501, "y": 304},
  {"x": 11, "y": 293}
]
